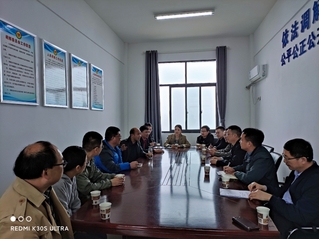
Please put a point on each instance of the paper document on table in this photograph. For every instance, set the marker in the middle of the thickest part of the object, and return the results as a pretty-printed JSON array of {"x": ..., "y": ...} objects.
[
  {"x": 234, "y": 193},
  {"x": 222, "y": 173}
]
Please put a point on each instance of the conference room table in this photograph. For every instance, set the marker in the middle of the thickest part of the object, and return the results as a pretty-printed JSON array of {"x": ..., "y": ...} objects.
[{"x": 170, "y": 197}]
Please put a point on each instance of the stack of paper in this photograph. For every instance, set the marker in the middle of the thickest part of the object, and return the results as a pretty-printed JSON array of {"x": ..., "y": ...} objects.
[
  {"x": 222, "y": 173},
  {"x": 234, "y": 193}
]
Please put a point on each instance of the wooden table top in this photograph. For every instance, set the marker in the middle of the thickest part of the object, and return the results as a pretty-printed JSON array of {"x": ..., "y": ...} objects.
[{"x": 170, "y": 197}]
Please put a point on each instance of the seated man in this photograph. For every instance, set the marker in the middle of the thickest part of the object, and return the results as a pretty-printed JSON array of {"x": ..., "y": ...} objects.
[
  {"x": 258, "y": 164},
  {"x": 296, "y": 203},
  {"x": 133, "y": 149},
  {"x": 237, "y": 153},
  {"x": 30, "y": 196},
  {"x": 110, "y": 158},
  {"x": 205, "y": 136},
  {"x": 221, "y": 143},
  {"x": 150, "y": 137},
  {"x": 145, "y": 141},
  {"x": 92, "y": 178},
  {"x": 224, "y": 153},
  {"x": 66, "y": 188}
]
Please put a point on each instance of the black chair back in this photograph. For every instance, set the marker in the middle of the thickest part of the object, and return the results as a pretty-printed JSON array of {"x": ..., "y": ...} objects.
[
  {"x": 269, "y": 148},
  {"x": 277, "y": 159},
  {"x": 304, "y": 233}
]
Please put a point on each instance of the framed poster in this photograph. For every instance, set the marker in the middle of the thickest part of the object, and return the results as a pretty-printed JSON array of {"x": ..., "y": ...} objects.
[
  {"x": 18, "y": 75},
  {"x": 96, "y": 88},
  {"x": 79, "y": 83},
  {"x": 54, "y": 75}
]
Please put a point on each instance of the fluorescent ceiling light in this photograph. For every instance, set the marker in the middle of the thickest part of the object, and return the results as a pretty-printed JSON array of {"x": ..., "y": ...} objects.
[{"x": 184, "y": 15}]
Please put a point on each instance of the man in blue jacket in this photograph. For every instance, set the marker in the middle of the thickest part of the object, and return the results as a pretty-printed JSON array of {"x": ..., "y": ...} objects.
[
  {"x": 110, "y": 158},
  {"x": 258, "y": 165},
  {"x": 296, "y": 203}
]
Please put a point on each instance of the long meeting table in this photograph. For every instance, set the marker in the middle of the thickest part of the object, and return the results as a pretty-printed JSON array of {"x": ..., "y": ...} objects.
[{"x": 170, "y": 197}]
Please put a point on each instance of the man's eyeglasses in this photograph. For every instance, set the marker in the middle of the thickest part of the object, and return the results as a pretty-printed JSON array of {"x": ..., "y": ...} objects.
[
  {"x": 64, "y": 163},
  {"x": 286, "y": 158}
]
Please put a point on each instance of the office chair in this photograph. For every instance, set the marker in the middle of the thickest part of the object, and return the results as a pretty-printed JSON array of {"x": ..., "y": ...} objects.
[
  {"x": 269, "y": 148},
  {"x": 277, "y": 159},
  {"x": 304, "y": 233}
]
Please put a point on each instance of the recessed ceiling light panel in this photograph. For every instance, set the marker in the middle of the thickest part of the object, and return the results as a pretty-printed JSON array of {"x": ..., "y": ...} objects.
[{"x": 184, "y": 15}]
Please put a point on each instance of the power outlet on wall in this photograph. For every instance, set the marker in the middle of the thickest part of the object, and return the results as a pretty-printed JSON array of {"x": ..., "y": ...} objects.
[{"x": 259, "y": 98}]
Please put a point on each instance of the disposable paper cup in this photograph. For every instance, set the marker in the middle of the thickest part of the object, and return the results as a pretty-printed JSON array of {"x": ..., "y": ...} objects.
[
  {"x": 204, "y": 150},
  {"x": 225, "y": 181},
  {"x": 203, "y": 158},
  {"x": 207, "y": 170},
  {"x": 263, "y": 215},
  {"x": 95, "y": 196},
  {"x": 197, "y": 145},
  {"x": 203, "y": 146},
  {"x": 105, "y": 210},
  {"x": 158, "y": 144},
  {"x": 120, "y": 175}
]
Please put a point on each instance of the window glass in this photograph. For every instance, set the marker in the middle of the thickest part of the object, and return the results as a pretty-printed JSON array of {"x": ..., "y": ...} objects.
[
  {"x": 201, "y": 72},
  {"x": 208, "y": 106},
  {"x": 193, "y": 107},
  {"x": 171, "y": 73},
  {"x": 178, "y": 106},
  {"x": 164, "y": 94}
]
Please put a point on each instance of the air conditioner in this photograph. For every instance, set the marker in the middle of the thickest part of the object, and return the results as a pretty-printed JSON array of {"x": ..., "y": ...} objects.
[{"x": 257, "y": 73}]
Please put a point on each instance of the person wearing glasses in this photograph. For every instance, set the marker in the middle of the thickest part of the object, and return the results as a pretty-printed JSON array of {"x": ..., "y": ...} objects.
[
  {"x": 296, "y": 203},
  {"x": 65, "y": 188},
  {"x": 30, "y": 201},
  {"x": 92, "y": 178},
  {"x": 205, "y": 136},
  {"x": 258, "y": 165}
]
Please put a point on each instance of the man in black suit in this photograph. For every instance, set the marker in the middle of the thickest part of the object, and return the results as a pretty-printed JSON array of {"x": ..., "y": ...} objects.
[
  {"x": 296, "y": 203},
  {"x": 205, "y": 136},
  {"x": 221, "y": 143},
  {"x": 233, "y": 134}
]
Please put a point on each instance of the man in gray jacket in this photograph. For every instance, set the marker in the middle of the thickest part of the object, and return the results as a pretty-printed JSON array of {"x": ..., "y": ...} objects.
[
  {"x": 92, "y": 178},
  {"x": 65, "y": 188},
  {"x": 258, "y": 164}
]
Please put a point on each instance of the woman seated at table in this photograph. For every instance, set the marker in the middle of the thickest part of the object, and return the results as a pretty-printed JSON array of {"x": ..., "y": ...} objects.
[{"x": 177, "y": 139}]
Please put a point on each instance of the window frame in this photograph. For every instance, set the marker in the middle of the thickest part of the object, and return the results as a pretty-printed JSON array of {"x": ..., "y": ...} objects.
[{"x": 188, "y": 85}]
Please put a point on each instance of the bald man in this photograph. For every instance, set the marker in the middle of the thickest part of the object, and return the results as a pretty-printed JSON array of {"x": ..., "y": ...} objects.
[
  {"x": 30, "y": 201},
  {"x": 133, "y": 147}
]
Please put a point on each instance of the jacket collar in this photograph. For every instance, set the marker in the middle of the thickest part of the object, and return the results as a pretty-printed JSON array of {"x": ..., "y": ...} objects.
[{"x": 27, "y": 190}]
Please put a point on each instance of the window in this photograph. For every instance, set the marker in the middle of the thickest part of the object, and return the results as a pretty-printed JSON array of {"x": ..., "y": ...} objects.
[{"x": 187, "y": 93}]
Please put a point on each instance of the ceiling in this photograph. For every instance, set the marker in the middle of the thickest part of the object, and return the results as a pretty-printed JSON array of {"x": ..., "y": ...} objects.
[{"x": 133, "y": 20}]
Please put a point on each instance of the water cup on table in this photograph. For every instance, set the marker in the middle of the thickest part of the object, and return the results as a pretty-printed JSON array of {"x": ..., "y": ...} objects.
[
  {"x": 120, "y": 175},
  {"x": 225, "y": 181},
  {"x": 204, "y": 150},
  {"x": 105, "y": 210},
  {"x": 150, "y": 152},
  {"x": 207, "y": 170},
  {"x": 203, "y": 158},
  {"x": 263, "y": 215},
  {"x": 95, "y": 196},
  {"x": 197, "y": 146}
]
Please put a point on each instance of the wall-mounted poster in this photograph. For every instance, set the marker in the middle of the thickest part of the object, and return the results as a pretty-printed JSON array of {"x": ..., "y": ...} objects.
[
  {"x": 17, "y": 65},
  {"x": 79, "y": 83},
  {"x": 54, "y": 75},
  {"x": 96, "y": 88}
]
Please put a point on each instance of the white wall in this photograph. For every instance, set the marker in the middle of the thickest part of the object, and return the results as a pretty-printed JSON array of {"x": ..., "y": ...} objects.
[
  {"x": 238, "y": 54},
  {"x": 289, "y": 95},
  {"x": 73, "y": 26}
]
